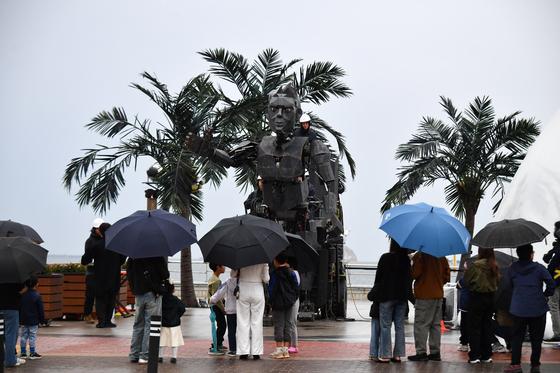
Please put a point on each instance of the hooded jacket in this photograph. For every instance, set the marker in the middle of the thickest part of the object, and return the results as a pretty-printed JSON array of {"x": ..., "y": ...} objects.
[
  {"x": 526, "y": 278},
  {"x": 552, "y": 258},
  {"x": 479, "y": 277}
]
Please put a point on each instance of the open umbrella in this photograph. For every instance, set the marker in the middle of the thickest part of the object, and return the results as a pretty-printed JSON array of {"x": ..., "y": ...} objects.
[
  {"x": 306, "y": 256},
  {"x": 509, "y": 233},
  {"x": 243, "y": 241},
  {"x": 426, "y": 228},
  {"x": 21, "y": 257},
  {"x": 10, "y": 228},
  {"x": 147, "y": 234}
]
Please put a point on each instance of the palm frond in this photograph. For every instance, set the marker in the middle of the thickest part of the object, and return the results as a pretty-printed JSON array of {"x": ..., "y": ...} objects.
[
  {"x": 110, "y": 123},
  {"x": 319, "y": 80}
]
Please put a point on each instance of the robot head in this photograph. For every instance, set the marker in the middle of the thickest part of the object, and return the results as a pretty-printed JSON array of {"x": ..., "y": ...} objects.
[{"x": 283, "y": 110}]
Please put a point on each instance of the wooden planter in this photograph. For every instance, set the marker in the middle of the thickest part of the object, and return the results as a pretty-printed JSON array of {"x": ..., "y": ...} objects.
[
  {"x": 50, "y": 288},
  {"x": 74, "y": 294}
]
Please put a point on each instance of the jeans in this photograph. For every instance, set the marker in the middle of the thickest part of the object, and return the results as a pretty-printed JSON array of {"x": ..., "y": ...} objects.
[
  {"x": 11, "y": 325},
  {"x": 464, "y": 338},
  {"x": 481, "y": 332},
  {"x": 283, "y": 324},
  {"x": 28, "y": 333},
  {"x": 536, "y": 332},
  {"x": 554, "y": 306},
  {"x": 146, "y": 305},
  {"x": 374, "y": 341},
  {"x": 294, "y": 333},
  {"x": 231, "y": 328},
  {"x": 427, "y": 317},
  {"x": 392, "y": 311}
]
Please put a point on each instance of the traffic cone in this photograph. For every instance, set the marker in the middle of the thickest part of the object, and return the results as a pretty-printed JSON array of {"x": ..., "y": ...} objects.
[{"x": 442, "y": 326}]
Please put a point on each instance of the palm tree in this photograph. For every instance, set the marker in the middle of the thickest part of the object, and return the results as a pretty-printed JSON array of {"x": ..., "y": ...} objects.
[
  {"x": 471, "y": 154},
  {"x": 316, "y": 83},
  {"x": 99, "y": 172}
]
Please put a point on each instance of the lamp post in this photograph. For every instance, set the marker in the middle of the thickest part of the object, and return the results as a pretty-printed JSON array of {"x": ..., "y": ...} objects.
[{"x": 151, "y": 194}]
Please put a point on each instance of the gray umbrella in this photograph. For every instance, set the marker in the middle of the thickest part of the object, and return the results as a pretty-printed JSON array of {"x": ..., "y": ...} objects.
[
  {"x": 307, "y": 257},
  {"x": 509, "y": 233},
  {"x": 10, "y": 228},
  {"x": 21, "y": 257}
]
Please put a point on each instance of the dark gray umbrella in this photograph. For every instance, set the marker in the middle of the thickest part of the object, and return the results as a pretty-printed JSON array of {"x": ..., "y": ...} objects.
[
  {"x": 242, "y": 241},
  {"x": 306, "y": 256},
  {"x": 20, "y": 258},
  {"x": 509, "y": 233},
  {"x": 10, "y": 228}
]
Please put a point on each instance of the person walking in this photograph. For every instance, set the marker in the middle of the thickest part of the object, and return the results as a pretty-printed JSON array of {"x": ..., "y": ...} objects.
[
  {"x": 10, "y": 302},
  {"x": 528, "y": 306},
  {"x": 393, "y": 287},
  {"x": 214, "y": 284},
  {"x": 429, "y": 274},
  {"x": 250, "y": 309},
  {"x": 145, "y": 277},
  {"x": 226, "y": 293},
  {"x": 482, "y": 279},
  {"x": 283, "y": 292},
  {"x": 171, "y": 311},
  {"x": 31, "y": 314},
  {"x": 552, "y": 258}
]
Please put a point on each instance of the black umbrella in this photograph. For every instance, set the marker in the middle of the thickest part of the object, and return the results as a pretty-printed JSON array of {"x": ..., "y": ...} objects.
[
  {"x": 242, "y": 241},
  {"x": 10, "y": 228},
  {"x": 306, "y": 256},
  {"x": 21, "y": 257},
  {"x": 147, "y": 234},
  {"x": 509, "y": 233}
]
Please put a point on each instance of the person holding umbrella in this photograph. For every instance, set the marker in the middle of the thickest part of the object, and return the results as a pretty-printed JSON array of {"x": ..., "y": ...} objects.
[{"x": 10, "y": 299}]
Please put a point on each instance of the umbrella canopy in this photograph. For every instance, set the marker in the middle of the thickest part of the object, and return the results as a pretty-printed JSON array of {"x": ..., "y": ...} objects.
[
  {"x": 147, "y": 234},
  {"x": 242, "y": 241},
  {"x": 10, "y": 228},
  {"x": 306, "y": 256},
  {"x": 21, "y": 257},
  {"x": 509, "y": 233},
  {"x": 426, "y": 228}
]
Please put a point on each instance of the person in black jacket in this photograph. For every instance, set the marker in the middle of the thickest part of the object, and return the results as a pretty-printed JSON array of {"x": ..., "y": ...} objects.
[
  {"x": 31, "y": 314},
  {"x": 107, "y": 274},
  {"x": 552, "y": 258},
  {"x": 171, "y": 311},
  {"x": 145, "y": 277},
  {"x": 393, "y": 281},
  {"x": 10, "y": 300}
]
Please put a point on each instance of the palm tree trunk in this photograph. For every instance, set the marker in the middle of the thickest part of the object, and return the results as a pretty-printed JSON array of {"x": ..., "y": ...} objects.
[
  {"x": 188, "y": 295},
  {"x": 470, "y": 214}
]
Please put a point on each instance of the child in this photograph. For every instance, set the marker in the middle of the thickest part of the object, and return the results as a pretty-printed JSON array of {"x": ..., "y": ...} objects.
[
  {"x": 375, "y": 326},
  {"x": 31, "y": 315},
  {"x": 227, "y": 291},
  {"x": 214, "y": 284},
  {"x": 171, "y": 311},
  {"x": 463, "y": 307},
  {"x": 293, "y": 349}
]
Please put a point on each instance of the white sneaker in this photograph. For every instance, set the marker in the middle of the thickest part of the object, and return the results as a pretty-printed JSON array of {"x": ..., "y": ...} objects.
[
  {"x": 142, "y": 361},
  {"x": 489, "y": 360},
  {"x": 19, "y": 362},
  {"x": 476, "y": 361}
]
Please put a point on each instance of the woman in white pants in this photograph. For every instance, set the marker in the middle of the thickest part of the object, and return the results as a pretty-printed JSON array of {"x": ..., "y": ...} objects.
[{"x": 250, "y": 310}]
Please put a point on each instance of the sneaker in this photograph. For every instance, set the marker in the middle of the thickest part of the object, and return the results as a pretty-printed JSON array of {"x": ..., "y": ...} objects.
[
  {"x": 499, "y": 348},
  {"x": 19, "y": 362},
  {"x": 434, "y": 357},
  {"x": 293, "y": 350},
  {"x": 396, "y": 360},
  {"x": 223, "y": 348},
  {"x": 475, "y": 361},
  {"x": 23, "y": 355},
  {"x": 552, "y": 340},
  {"x": 418, "y": 357},
  {"x": 256, "y": 357},
  {"x": 285, "y": 352},
  {"x": 89, "y": 319},
  {"x": 556, "y": 346},
  {"x": 142, "y": 361},
  {"x": 382, "y": 360},
  {"x": 173, "y": 360},
  {"x": 243, "y": 357},
  {"x": 215, "y": 353},
  {"x": 278, "y": 353},
  {"x": 486, "y": 361},
  {"x": 373, "y": 358},
  {"x": 231, "y": 354},
  {"x": 463, "y": 348},
  {"x": 35, "y": 356},
  {"x": 513, "y": 369}
]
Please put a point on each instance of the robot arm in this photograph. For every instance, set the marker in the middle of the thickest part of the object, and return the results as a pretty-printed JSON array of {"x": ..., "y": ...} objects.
[
  {"x": 321, "y": 157},
  {"x": 241, "y": 154}
]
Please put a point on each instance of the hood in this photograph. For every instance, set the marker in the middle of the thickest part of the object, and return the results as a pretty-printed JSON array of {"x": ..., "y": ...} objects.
[{"x": 524, "y": 267}]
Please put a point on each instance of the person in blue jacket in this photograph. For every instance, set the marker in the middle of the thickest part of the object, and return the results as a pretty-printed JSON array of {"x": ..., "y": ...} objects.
[
  {"x": 528, "y": 306},
  {"x": 31, "y": 314}
]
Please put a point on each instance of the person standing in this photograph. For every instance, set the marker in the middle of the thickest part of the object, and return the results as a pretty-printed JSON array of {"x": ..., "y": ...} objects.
[
  {"x": 225, "y": 292},
  {"x": 214, "y": 284},
  {"x": 31, "y": 314},
  {"x": 171, "y": 311},
  {"x": 293, "y": 349},
  {"x": 429, "y": 274},
  {"x": 250, "y": 309},
  {"x": 393, "y": 288},
  {"x": 375, "y": 325},
  {"x": 482, "y": 278},
  {"x": 552, "y": 258},
  {"x": 10, "y": 302},
  {"x": 145, "y": 277},
  {"x": 528, "y": 306},
  {"x": 90, "y": 294}
]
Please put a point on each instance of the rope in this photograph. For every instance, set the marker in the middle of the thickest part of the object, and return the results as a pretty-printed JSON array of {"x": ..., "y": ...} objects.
[{"x": 353, "y": 299}]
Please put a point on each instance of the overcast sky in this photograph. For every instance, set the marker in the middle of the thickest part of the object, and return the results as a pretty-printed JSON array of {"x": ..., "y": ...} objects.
[{"x": 61, "y": 62}]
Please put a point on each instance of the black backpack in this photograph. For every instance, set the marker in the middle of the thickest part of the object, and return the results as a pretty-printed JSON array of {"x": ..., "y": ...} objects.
[{"x": 285, "y": 291}]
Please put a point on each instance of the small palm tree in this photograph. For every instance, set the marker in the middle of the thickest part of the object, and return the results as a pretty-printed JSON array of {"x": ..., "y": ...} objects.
[
  {"x": 100, "y": 171},
  {"x": 316, "y": 83},
  {"x": 471, "y": 154}
]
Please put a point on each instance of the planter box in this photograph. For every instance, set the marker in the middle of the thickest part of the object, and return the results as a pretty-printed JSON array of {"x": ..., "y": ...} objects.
[
  {"x": 50, "y": 288},
  {"x": 74, "y": 294}
]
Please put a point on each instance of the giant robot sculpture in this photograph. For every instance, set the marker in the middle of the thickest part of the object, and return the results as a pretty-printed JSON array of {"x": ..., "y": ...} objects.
[{"x": 289, "y": 167}]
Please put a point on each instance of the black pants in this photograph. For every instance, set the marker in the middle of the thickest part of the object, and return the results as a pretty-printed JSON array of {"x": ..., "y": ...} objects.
[
  {"x": 231, "y": 328},
  {"x": 480, "y": 330},
  {"x": 221, "y": 329},
  {"x": 536, "y": 332},
  {"x": 90, "y": 295},
  {"x": 464, "y": 338},
  {"x": 104, "y": 306}
]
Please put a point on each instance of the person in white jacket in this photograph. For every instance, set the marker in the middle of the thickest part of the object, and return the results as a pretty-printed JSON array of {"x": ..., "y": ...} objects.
[
  {"x": 226, "y": 292},
  {"x": 250, "y": 310}
]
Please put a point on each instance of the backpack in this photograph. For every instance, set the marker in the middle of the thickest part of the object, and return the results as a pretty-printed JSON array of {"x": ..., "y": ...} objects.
[{"x": 285, "y": 291}]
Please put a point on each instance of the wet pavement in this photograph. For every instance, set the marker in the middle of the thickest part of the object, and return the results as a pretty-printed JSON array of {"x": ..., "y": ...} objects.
[{"x": 325, "y": 346}]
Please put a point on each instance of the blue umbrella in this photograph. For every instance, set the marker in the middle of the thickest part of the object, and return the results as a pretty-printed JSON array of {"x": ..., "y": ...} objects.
[
  {"x": 152, "y": 233},
  {"x": 426, "y": 228}
]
